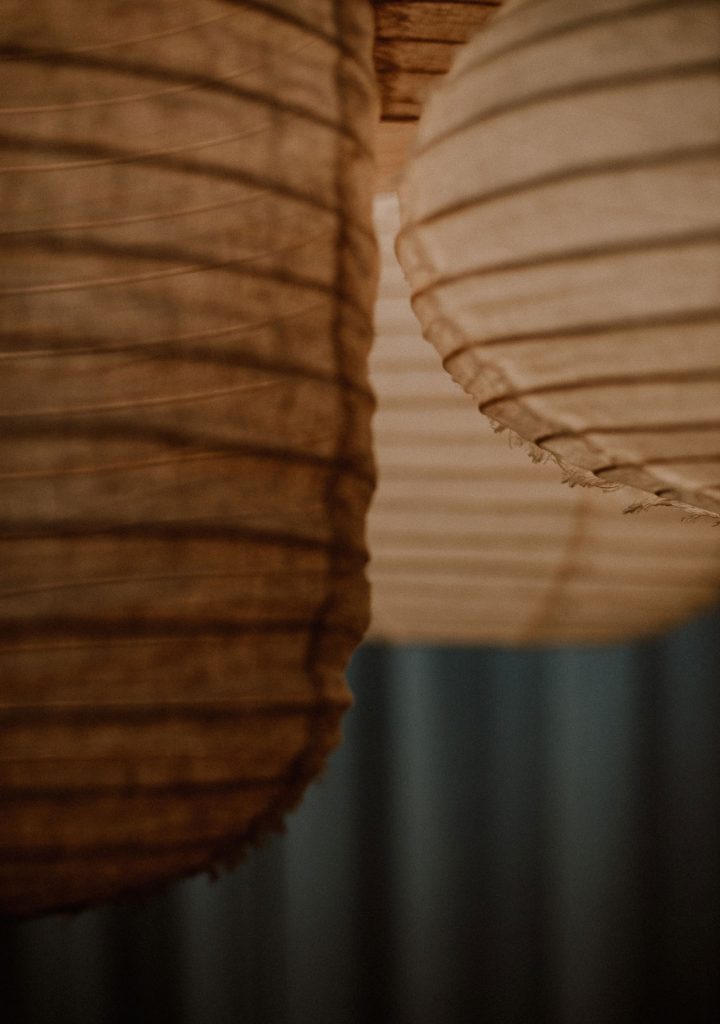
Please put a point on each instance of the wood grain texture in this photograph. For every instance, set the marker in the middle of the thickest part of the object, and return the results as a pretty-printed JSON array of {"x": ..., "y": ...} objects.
[{"x": 415, "y": 42}]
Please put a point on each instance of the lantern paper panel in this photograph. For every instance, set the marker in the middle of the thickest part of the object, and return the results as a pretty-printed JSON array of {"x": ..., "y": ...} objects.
[
  {"x": 473, "y": 543},
  {"x": 185, "y": 313},
  {"x": 562, "y": 236}
]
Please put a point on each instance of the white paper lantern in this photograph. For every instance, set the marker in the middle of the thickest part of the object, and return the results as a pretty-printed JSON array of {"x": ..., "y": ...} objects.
[
  {"x": 562, "y": 235},
  {"x": 473, "y": 543}
]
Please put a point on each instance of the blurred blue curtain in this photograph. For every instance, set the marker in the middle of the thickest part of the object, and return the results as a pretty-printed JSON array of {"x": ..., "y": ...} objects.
[{"x": 504, "y": 836}]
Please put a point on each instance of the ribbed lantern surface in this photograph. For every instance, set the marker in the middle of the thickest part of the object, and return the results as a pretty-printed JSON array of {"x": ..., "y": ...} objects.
[
  {"x": 562, "y": 235},
  {"x": 473, "y": 543},
  {"x": 187, "y": 281}
]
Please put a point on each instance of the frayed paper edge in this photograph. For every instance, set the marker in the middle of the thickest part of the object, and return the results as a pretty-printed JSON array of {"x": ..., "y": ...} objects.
[
  {"x": 573, "y": 476},
  {"x": 690, "y": 514}
]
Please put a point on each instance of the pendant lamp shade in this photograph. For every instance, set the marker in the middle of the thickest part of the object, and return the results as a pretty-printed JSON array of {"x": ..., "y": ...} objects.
[
  {"x": 473, "y": 543},
  {"x": 562, "y": 236},
  {"x": 185, "y": 307}
]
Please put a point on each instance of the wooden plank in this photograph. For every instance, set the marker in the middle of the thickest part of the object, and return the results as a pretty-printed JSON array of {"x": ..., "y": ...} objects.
[
  {"x": 415, "y": 41},
  {"x": 448, "y": 21}
]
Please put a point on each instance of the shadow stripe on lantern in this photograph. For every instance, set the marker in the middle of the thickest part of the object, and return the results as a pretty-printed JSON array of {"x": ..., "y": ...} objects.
[
  {"x": 440, "y": 543},
  {"x": 589, "y": 331},
  {"x": 629, "y": 247},
  {"x": 152, "y": 36},
  {"x": 352, "y": 636},
  {"x": 630, "y": 428},
  {"x": 180, "y": 347},
  {"x": 504, "y": 614},
  {"x": 121, "y": 468},
  {"x": 273, "y": 13},
  {"x": 93, "y": 582},
  {"x": 153, "y": 626},
  {"x": 96, "y": 154},
  {"x": 158, "y": 352},
  {"x": 652, "y": 76},
  {"x": 659, "y": 377},
  {"x": 181, "y": 530},
  {"x": 599, "y": 168},
  {"x": 395, "y": 472},
  {"x": 145, "y": 218},
  {"x": 142, "y": 848},
  {"x": 451, "y": 544},
  {"x": 288, "y": 17},
  {"x": 222, "y": 847},
  {"x": 611, "y": 17},
  {"x": 424, "y": 575},
  {"x": 137, "y": 790},
  {"x": 65, "y": 245},
  {"x": 420, "y": 589},
  {"x": 185, "y": 80},
  {"x": 213, "y": 849},
  {"x": 660, "y": 460},
  {"x": 181, "y": 398},
  {"x": 439, "y": 506},
  {"x": 54, "y": 424},
  {"x": 116, "y": 711},
  {"x": 242, "y": 267},
  {"x": 102, "y": 344},
  {"x": 83, "y": 343},
  {"x": 550, "y": 512},
  {"x": 131, "y": 98},
  {"x": 451, "y": 507},
  {"x": 672, "y": 492}
]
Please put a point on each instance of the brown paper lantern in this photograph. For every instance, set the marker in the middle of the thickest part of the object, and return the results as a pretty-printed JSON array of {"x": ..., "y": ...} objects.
[
  {"x": 187, "y": 283},
  {"x": 562, "y": 236},
  {"x": 473, "y": 543}
]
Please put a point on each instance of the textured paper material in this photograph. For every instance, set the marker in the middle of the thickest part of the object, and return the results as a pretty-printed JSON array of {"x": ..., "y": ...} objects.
[
  {"x": 187, "y": 282},
  {"x": 473, "y": 543},
  {"x": 562, "y": 235}
]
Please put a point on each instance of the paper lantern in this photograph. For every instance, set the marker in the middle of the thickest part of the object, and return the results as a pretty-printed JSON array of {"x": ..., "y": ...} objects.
[
  {"x": 473, "y": 543},
  {"x": 188, "y": 277},
  {"x": 562, "y": 236}
]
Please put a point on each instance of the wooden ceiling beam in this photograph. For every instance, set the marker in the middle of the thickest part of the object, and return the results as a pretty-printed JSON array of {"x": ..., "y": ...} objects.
[{"x": 415, "y": 41}]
